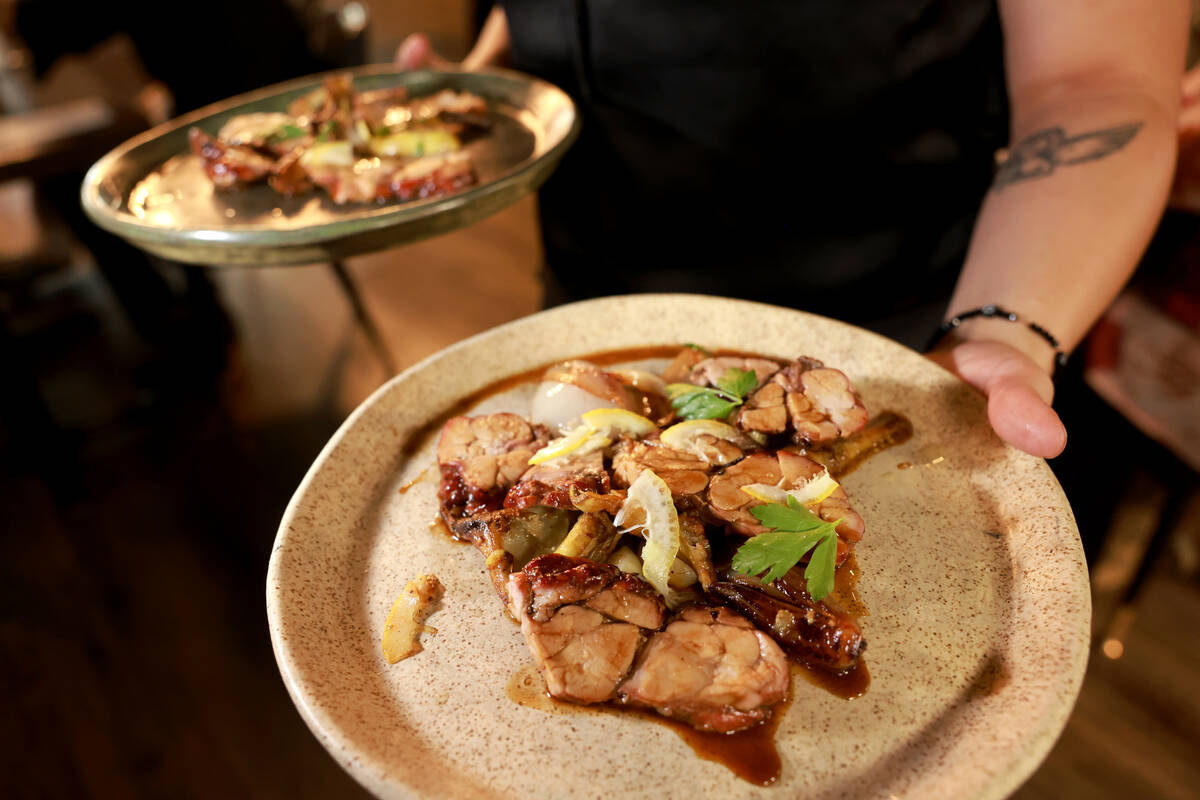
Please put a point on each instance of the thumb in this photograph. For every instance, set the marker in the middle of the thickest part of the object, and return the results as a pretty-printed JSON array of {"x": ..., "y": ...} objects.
[
  {"x": 416, "y": 51},
  {"x": 1018, "y": 393},
  {"x": 1023, "y": 419}
]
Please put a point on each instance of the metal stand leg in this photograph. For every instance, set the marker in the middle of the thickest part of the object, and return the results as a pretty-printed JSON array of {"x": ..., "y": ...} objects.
[{"x": 363, "y": 318}]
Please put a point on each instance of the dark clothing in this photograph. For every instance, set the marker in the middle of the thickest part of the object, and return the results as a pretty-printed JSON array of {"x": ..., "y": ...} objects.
[{"x": 825, "y": 155}]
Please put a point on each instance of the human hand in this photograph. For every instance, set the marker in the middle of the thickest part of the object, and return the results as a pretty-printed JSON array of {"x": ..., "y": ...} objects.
[
  {"x": 416, "y": 51},
  {"x": 1018, "y": 390}
]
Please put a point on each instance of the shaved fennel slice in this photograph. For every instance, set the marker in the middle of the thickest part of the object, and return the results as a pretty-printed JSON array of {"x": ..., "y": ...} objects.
[
  {"x": 649, "y": 498},
  {"x": 578, "y": 442},
  {"x": 811, "y": 492}
]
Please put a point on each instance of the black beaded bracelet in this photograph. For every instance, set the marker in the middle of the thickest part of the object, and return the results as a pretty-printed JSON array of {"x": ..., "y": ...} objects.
[{"x": 1060, "y": 358}]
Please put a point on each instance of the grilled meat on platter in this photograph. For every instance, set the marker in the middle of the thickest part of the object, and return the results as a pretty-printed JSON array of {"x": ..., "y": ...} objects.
[
  {"x": 669, "y": 541},
  {"x": 357, "y": 147}
]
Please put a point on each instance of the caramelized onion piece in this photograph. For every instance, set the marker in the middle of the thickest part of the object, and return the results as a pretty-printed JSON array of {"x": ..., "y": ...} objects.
[{"x": 405, "y": 622}]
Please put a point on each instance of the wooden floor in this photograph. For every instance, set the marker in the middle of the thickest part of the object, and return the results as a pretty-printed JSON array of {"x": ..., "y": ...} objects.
[{"x": 134, "y": 656}]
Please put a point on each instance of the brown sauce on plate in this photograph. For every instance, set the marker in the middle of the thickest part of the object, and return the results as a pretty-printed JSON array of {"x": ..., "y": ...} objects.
[
  {"x": 848, "y": 685},
  {"x": 438, "y": 526},
  {"x": 750, "y": 754},
  {"x": 420, "y": 477},
  {"x": 845, "y": 592}
]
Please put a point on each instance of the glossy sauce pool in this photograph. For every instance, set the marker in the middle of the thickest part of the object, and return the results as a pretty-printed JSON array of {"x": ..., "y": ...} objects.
[{"x": 750, "y": 754}]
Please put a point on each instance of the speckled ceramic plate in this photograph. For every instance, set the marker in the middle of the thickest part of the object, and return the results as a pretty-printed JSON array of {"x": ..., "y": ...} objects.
[
  {"x": 971, "y": 568},
  {"x": 152, "y": 192}
]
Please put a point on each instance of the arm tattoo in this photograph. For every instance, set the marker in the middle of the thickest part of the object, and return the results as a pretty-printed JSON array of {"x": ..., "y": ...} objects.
[{"x": 1040, "y": 153}]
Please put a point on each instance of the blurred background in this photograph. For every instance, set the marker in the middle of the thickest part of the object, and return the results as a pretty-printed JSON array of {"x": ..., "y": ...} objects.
[{"x": 156, "y": 419}]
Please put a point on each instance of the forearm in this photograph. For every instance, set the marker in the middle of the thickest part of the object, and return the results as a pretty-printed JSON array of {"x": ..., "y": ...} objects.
[{"x": 1055, "y": 242}]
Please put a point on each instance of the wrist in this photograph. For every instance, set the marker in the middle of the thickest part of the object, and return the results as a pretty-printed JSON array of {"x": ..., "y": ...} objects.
[{"x": 992, "y": 323}]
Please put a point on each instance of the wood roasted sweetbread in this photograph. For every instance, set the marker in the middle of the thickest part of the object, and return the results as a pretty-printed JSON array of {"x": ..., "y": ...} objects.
[
  {"x": 356, "y": 147},
  {"x": 671, "y": 541}
]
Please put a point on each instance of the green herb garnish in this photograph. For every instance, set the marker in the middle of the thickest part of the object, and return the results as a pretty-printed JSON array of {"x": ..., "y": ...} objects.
[
  {"x": 419, "y": 150},
  {"x": 697, "y": 348},
  {"x": 325, "y": 131},
  {"x": 288, "y": 131},
  {"x": 795, "y": 531},
  {"x": 701, "y": 402}
]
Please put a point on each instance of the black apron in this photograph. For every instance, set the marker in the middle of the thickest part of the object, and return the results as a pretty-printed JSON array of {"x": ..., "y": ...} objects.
[{"x": 825, "y": 155}]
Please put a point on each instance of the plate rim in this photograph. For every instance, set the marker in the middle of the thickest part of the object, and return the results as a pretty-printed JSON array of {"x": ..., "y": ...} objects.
[{"x": 1035, "y": 747}]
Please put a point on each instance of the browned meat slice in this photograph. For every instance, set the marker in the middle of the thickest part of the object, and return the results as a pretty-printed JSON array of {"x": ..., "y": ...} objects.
[
  {"x": 348, "y": 179},
  {"x": 550, "y": 483},
  {"x": 631, "y": 599},
  {"x": 509, "y": 538},
  {"x": 764, "y": 411},
  {"x": 812, "y": 632},
  {"x": 710, "y": 668},
  {"x": 387, "y": 108},
  {"x": 372, "y": 107},
  {"x": 710, "y": 370},
  {"x": 729, "y": 503},
  {"x": 447, "y": 102},
  {"x": 787, "y": 470},
  {"x": 332, "y": 101},
  {"x": 584, "y": 622},
  {"x": 480, "y": 458},
  {"x": 225, "y": 164},
  {"x": 685, "y": 473},
  {"x": 679, "y": 368},
  {"x": 649, "y": 392},
  {"x": 583, "y": 656},
  {"x": 719, "y": 452},
  {"x": 822, "y": 404},
  {"x": 594, "y": 381},
  {"x": 269, "y": 131},
  {"x": 432, "y": 176},
  {"x": 312, "y": 108},
  {"x": 288, "y": 176},
  {"x": 556, "y": 580},
  {"x": 364, "y": 181}
]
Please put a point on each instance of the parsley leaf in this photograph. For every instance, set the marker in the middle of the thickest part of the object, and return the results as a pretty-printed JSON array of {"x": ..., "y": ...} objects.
[
  {"x": 795, "y": 531},
  {"x": 288, "y": 131},
  {"x": 822, "y": 565},
  {"x": 738, "y": 381},
  {"x": 702, "y": 402},
  {"x": 773, "y": 553}
]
